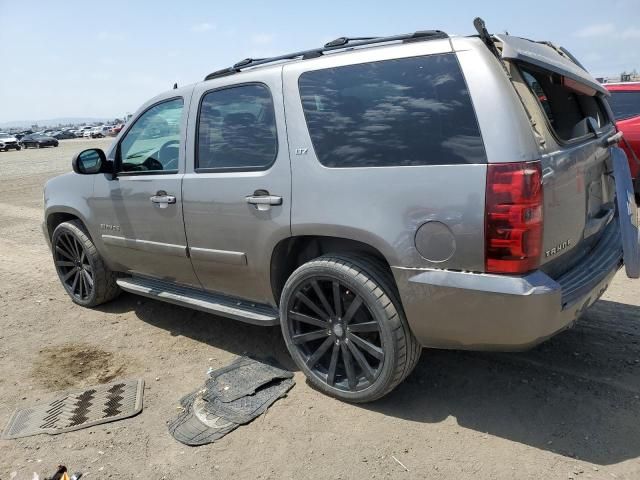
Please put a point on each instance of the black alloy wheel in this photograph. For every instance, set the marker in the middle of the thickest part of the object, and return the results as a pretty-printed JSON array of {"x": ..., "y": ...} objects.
[{"x": 74, "y": 268}]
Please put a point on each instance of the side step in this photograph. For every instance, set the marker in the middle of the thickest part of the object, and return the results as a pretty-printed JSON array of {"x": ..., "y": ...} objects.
[{"x": 254, "y": 313}]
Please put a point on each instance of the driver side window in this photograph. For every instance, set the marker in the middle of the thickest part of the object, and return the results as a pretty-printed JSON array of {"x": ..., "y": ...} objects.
[{"x": 152, "y": 144}]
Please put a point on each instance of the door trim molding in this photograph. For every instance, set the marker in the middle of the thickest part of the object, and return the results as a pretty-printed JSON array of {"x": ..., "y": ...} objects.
[
  {"x": 218, "y": 256},
  {"x": 145, "y": 245}
]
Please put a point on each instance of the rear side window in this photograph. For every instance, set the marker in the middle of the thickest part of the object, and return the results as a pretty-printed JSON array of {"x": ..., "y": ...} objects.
[
  {"x": 566, "y": 109},
  {"x": 236, "y": 129},
  {"x": 625, "y": 104},
  {"x": 410, "y": 111}
]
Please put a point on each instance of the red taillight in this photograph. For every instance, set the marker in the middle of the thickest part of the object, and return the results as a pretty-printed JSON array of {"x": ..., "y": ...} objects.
[{"x": 513, "y": 221}]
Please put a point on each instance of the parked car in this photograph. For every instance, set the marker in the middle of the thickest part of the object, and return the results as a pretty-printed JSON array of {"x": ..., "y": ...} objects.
[
  {"x": 63, "y": 135},
  {"x": 99, "y": 132},
  {"x": 23, "y": 133},
  {"x": 8, "y": 142},
  {"x": 625, "y": 104},
  {"x": 37, "y": 140},
  {"x": 80, "y": 132},
  {"x": 115, "y": 130},
  {"x": 406, "y": 197}
]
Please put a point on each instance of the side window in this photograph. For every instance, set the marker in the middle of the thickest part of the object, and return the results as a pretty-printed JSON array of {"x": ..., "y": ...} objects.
[
  {"x": 566, "y": 109},
  {"x": 152, "y": 144},
  {"x": 410, "y": 111},
  {"x": 625, "y": 104},
  {"x": 236, "y": 129}
]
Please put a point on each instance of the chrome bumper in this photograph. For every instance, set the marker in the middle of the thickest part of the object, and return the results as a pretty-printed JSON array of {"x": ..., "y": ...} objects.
[{"x": 476, "y": 311}]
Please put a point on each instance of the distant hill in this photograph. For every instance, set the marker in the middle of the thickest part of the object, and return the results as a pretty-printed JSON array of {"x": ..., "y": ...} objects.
[{"x": 52, "y": 122}]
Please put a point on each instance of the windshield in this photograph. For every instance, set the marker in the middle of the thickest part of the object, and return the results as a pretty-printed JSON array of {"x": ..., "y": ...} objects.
[{"x": 625, "y": 104}]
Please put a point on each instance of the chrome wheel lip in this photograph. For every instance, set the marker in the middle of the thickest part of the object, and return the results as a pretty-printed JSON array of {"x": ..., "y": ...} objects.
[
  {"x": 74, "y": 266},
  {"x": 340, "y": 349}
]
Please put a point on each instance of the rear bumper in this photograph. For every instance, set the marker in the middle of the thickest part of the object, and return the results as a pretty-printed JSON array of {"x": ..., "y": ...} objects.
[{"x": 474, "y": 311}]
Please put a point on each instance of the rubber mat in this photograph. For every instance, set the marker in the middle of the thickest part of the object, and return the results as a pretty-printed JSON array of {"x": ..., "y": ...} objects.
[
  {"x": 243, "y": 377},
  {"x": 195, "y": 426},
  {"x": 78, "y": 409},
  {"x": 244, "y": 409},
  {"x": 232, "y": 395}
]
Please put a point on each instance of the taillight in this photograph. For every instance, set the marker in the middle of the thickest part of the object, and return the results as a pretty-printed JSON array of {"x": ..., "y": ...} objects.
[{"x": 513, "y": 217}]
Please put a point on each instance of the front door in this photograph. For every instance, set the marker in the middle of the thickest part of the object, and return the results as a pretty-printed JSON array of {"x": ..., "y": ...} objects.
[
  {"x": 139, "y": 212},
  {"x": 237, "y": 187}
]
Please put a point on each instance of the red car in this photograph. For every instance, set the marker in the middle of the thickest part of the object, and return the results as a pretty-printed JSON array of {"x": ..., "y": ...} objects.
[{"x": 625, "y": 103}]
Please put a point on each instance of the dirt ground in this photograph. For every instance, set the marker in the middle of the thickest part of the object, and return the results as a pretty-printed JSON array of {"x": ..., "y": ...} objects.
[{"x": 567, "y": 409}]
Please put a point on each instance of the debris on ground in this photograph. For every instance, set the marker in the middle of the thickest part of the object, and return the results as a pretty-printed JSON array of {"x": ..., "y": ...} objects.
[{"x": 231, "y": 396}]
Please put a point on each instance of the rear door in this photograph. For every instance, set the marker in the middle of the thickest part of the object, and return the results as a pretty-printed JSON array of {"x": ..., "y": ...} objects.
[
  {"x": 570, "y": 114},
  {"x": 237, "y": 189}
]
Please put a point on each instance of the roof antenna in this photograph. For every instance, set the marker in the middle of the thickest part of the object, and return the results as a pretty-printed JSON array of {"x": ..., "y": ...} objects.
[{"x": 175, "y": 85}]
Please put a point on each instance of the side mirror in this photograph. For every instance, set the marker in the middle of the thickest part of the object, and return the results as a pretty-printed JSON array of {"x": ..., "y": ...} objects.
[{"x": 89, "y": 162}]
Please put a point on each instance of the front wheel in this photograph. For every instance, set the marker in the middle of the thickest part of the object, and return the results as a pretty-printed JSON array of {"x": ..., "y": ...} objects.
[
  {"x": 345, "y": 328},
  {"x": 84, "y": 276},
  {"x": 18, "y": 148}
]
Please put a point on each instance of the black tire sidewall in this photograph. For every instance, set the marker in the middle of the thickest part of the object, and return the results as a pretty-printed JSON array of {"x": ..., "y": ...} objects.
[
  {"x": 69, "y": 227},
  {"x": 322, "y": 268}
]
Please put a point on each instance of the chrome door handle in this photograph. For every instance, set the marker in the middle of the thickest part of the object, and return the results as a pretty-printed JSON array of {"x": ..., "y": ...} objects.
[
  {"x": 162, "y": 199},
  {"x": 264, "y": 202}
]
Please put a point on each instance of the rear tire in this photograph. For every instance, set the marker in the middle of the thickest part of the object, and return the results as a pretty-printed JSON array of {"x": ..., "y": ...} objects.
[
  {"x": 354, "y": 354},
  {"x": 82, "y": 272}
]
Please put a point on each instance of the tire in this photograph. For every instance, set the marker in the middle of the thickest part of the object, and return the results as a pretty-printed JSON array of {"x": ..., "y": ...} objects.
[
  {"x": 76, "y": 257},
  {"x": 378, "y": 329},
  {"x": 18, "y": 148}
]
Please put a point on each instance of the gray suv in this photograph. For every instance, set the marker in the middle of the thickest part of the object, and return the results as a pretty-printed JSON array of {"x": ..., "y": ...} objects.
[{"x": 372, "y": 197}]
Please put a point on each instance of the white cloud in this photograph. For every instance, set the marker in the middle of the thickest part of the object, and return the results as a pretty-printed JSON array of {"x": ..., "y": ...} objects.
[
  {"x": 597, "y": 30},
  {"x": 630, "y": 33},
  {"x": 262, "y": 38},
  {"x": 202, "y": 27}
]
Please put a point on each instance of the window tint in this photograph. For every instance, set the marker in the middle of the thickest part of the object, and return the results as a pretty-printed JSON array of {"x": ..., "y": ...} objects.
[
  {"x": 625, "y": 104},
  {"x": 413, "y": 111},
  {"x": 566, "y": 109},
  {"x": 237, "y": 129},
  {"x": 153, "y": 142}
]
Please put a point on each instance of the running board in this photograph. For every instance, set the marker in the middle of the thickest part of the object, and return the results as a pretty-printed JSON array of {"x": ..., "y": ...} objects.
[{"x": 256, "y": 314}]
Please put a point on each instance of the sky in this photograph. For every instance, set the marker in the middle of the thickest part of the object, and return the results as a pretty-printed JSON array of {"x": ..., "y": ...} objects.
[{"x": 104, "y": 59}]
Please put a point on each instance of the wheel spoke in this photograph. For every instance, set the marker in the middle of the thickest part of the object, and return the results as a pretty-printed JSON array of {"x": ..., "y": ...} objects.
[
  {"x": 366, "y": 346},
  {"x": 313, "y": 359},
  {"x": 348, "y": 365},
  {"x": 63, "y": 252},
  {"x": 64, "y": 263},
  {"x": 80, "y": 285},
  {"x": 68, "y": 243},
  {"x": 75, "y": 282},
  {"x": 87, "y": 279},
  {"x": 68, "y": 275},
  {"x": 353, "y": 308},
  {"x": 308, "y": 337},
  {"x": 331, "y": 374},
  {"x": 366, "y": 368},
  {"x": 300, "y": 317},
  {"x": 337, "y": 301},
  {"x": 82, "y": 257},
  {"x": 321, "y": 297},
  {"x": 364, "y": 327},
  {"x": 312, "y": 305}
]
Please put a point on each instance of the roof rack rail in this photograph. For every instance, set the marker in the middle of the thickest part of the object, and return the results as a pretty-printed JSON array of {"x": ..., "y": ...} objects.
[{"x": 338, "y": 43}]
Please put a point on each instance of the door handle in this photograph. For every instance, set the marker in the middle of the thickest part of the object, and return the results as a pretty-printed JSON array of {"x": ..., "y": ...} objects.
[
  {"x": 162, "y": 199},
  {"x": 263, "y": 201}
]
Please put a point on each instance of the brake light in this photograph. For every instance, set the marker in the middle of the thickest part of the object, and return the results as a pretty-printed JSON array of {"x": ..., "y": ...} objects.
[{"x": 513, "y": 217}]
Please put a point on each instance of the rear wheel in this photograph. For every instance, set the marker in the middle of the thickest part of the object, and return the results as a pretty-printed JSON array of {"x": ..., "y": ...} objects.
[
  {"x": 344, "y": 327},
  {"x": 82, "y": 272}
]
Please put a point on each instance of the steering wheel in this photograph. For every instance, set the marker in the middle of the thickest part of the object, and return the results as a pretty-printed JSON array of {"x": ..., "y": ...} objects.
[{"x": 169, "y": 155}]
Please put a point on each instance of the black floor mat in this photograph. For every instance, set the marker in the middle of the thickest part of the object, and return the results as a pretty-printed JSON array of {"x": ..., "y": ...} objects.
[{"x": 231, "y": 396}]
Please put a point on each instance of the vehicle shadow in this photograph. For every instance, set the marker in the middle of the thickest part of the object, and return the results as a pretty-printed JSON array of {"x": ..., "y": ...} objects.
[
  {"x": 223, "y": 333},
  {"x": 576, "y": 395}
]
